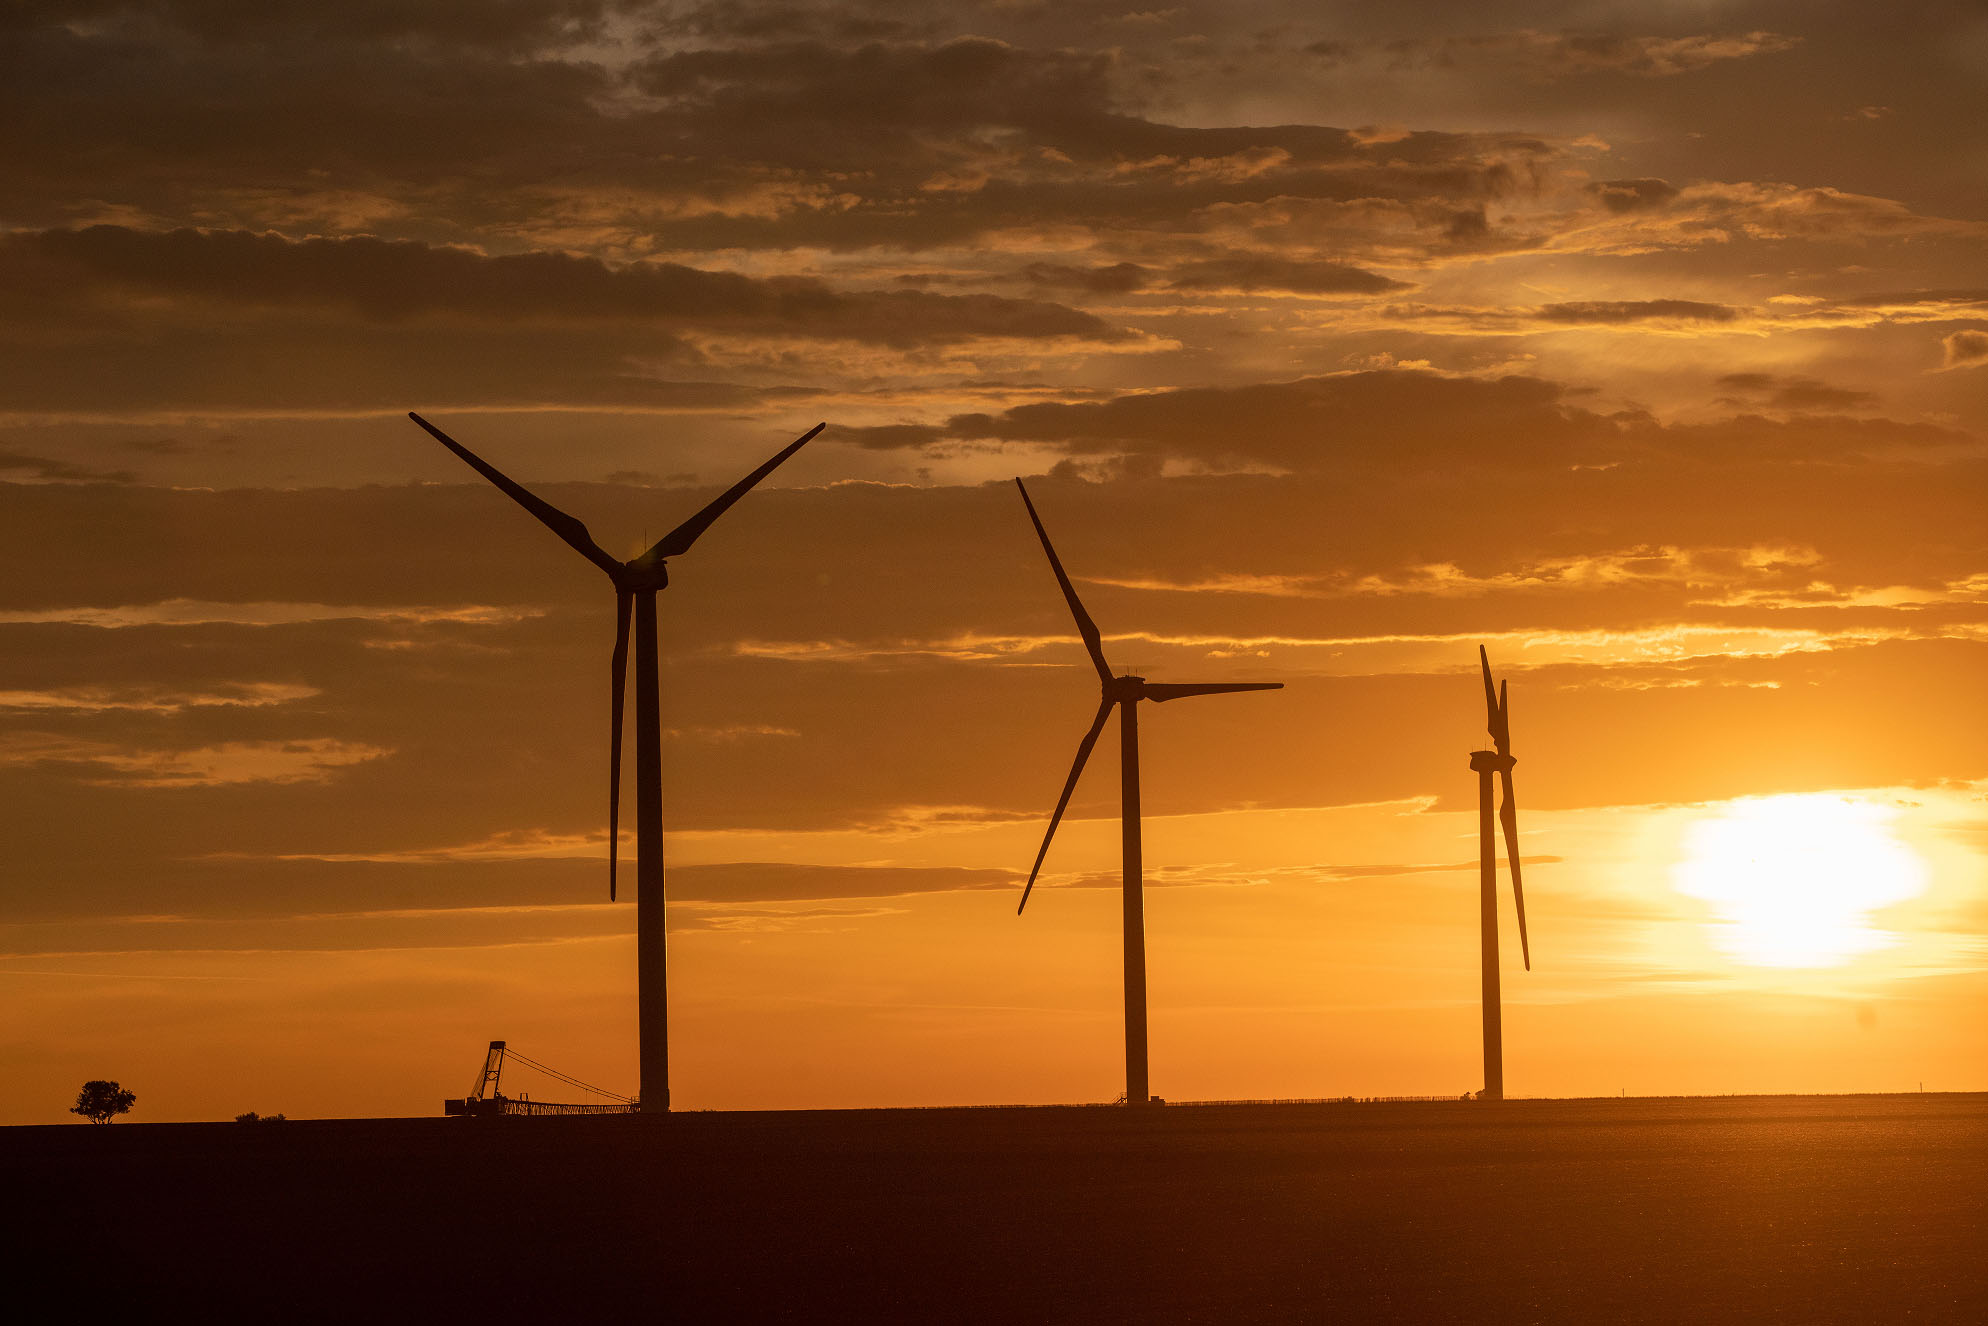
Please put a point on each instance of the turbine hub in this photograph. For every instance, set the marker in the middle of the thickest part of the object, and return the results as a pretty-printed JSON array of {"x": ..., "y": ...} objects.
[
  {"x": 1126, "y": 688},
  {"x": 641, "y": 574}
]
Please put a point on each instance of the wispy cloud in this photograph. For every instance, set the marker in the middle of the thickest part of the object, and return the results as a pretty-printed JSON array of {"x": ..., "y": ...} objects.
[
  {"x": 1362, "y": 654},
  {"x": 230, "y": 763},
  {"x": 1645, "y": 566},
  {"x": 198, "y": 612},
  {"x": 157, "y": 699}
]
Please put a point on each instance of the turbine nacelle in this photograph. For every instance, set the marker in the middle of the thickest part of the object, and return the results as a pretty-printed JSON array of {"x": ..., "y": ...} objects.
[
  {"x": 1490, "y": 761},
  {"x": 642, "y": 575}
]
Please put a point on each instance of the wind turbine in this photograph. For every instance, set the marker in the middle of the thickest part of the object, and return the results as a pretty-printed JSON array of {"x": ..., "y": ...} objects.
[
  {"x": 1498, "y": 718},
  {"x": 1124, "y": 692},
  {"x": 635, "y": 585}
]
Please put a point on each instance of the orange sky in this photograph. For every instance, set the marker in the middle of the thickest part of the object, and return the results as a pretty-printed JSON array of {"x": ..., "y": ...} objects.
[{"x": 1646, "y": 345}]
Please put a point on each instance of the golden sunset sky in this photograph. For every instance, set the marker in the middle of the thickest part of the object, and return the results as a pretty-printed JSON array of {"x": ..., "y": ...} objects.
[{"x": 1645, "y": 344}]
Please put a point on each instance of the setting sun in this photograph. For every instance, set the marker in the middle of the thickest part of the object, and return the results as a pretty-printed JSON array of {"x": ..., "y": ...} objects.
[{"x": 1795, "y": 879}]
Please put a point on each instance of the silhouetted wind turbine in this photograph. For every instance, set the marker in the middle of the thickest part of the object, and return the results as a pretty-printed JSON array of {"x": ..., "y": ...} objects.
[
  {"x": 1124, "y": 692},
  {"x": 635, "y": 585},
  {"x": 1498, "y": 717}
]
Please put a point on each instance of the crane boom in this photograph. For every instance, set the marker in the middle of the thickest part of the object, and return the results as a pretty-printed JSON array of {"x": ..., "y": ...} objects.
[
  {"x": 493, "y": 1066},
  {"x": 486, "y": 1099}
]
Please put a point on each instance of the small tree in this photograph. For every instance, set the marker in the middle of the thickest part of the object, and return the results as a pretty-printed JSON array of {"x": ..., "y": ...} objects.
[{"x": 100, "y": 1101}]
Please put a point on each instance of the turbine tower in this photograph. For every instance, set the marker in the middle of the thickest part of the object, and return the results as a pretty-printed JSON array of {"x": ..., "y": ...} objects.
[
  {"x": 1498, "y": 718},
  {"x": 1125, "y": 693},
  {"x": 635, "y": 585}
]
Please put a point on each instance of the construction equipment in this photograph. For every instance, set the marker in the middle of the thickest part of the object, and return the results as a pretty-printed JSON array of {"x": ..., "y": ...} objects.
[{"x": 486, "y": 1101}]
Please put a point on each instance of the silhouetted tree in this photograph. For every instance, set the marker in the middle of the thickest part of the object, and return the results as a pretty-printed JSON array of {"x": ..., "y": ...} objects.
[{"x": 101, "y": 1101}]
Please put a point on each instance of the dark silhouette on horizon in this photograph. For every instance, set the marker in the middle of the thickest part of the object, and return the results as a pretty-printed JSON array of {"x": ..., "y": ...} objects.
[
  {"x": 1498, "y": 719},
  {"x": 487, "y": 1100},
  {"x": 100, "y": 1101},
  {"x": 1124, "y": 692},
  {"x": 635, "y": 585}
]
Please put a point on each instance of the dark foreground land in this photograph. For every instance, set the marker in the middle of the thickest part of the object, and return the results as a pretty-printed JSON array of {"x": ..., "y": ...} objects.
[{"x": 1760, "y": 1209}]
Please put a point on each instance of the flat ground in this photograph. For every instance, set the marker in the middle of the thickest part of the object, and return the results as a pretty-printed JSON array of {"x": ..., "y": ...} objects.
[{"x": 1741, "y": 1209}]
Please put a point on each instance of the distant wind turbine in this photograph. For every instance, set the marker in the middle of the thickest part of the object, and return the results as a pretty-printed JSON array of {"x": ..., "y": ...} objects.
[
  {"x": 1124, "y": 692},
  {"x": 635, "y": 585},
  {"x": 1498, "y": 719}
]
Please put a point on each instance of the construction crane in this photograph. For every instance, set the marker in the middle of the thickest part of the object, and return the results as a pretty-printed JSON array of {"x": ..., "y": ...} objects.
[{"x": 485, "y": 1101}]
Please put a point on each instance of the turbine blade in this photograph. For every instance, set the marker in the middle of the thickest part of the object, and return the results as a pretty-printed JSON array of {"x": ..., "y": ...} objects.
[
  {"x": 678, "y": 541},
  {"x": 1087, "y": 628},
  {"x": 1508, "y": 815},
  {"x": 565, "y": 526},
  {"x": 623, "y": 602},
  {"x": 1069, "y": 786},
  {"x": 1161, "y": 692},
  {"x": 1494, "y": 718}
]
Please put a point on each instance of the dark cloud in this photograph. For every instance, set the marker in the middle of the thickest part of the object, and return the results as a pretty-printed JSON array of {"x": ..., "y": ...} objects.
[
  {"x": 1535, "y": 54},
  {"x": 1632, "y": 195},
  {"x": 1116, "y": 279},
  {"x": 897, "y": 90},
  {"x": 201, "y": 130},
  {"x": 1251, "y": 273},
  {"x": 1399, "y": 420},
  {"x": 1634, "y": 310},
  {"x": 216, "y": 319},
  {"x": 976, "y": 134},
  {"x": 174, "y": 363},
  {"x": 388, "y": 279},
  {"x": 1794, "y": 392},
  {"x": 1965, "y": 349},
  {"x": 731, "y": 21},
  {"x": 15, "y": 466},
  {"x": 1539, "y": 55},
  {"x": 169, "y": 446},
  {"x": 769, "y": 144},
  {"x": 503, "y": 24},
  {"x": 1646, "y": 56},
  {"x": 1388, "y": 418}
]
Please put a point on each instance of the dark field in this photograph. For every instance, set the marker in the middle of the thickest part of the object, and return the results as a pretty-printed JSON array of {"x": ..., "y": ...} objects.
[{"x": 1796, "y": 1209}]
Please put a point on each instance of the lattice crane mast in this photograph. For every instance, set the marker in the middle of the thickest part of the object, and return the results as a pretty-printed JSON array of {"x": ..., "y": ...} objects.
[{"x": 485, "y": 1100}]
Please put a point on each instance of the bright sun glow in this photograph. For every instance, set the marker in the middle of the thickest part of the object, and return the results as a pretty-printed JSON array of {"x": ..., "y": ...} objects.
[{"x": 1795, "y": 878}]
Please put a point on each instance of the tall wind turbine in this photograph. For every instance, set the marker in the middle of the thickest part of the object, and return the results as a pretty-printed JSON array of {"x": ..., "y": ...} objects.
[
  {"x": 1125, "y": 692},
  {"x": 635, "y": 585},
  {"x": 1498, "y": 717}
]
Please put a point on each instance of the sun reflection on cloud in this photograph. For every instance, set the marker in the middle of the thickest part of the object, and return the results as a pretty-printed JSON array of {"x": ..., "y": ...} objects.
[{"x": 1794, "y": 879}]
